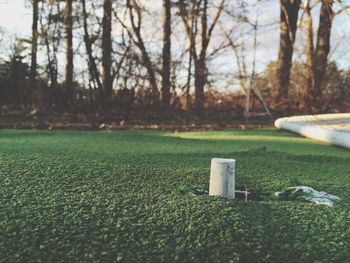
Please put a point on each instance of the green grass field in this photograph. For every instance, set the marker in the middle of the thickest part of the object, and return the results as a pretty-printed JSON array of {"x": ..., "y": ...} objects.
[{"x": 112, "y": 196}]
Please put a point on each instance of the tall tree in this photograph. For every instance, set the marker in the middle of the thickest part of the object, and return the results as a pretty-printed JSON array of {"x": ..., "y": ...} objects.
[
  {"x": 135, "y": 35},
  {"x": 317, "y": 57},
  {"x": 200, "y": 65},
  {"x": 200, "y": 60},
  {"x": 201, "y": 71},
  {"x": 34, "y": 51},
  {"x": 189, "y": 18},
  {"x": 107, "y": 49},
  {"x": 288, "y": 29},
  {"x": 68, "y": 23},
  {"x": 166, "y": 53},
  {"x": 322, "y": 48},
  {"x": 309, "y": 53},
  {"x": 50, "y": 32},
  {"x": 93, "y": 69}
]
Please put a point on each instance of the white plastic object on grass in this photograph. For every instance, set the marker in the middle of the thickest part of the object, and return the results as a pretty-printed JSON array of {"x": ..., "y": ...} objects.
[
  {"x": 329, "y": 128},
  {"x": 308, "y": 194},
  {"x": 222, "y": 177}
]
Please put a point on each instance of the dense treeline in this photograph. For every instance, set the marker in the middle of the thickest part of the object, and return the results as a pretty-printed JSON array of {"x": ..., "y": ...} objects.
[{"x": 98, "y": 55}]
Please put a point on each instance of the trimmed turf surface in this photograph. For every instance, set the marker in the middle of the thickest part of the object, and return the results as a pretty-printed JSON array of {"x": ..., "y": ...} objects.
[{"x": 112, "y": 196}]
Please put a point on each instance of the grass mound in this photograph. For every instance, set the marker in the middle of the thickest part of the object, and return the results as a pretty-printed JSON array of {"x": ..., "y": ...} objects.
[{"x": 113, "y": 196}]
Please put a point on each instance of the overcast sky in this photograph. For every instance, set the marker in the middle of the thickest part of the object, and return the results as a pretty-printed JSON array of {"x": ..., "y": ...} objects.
[{"x": 15, "y": 17}]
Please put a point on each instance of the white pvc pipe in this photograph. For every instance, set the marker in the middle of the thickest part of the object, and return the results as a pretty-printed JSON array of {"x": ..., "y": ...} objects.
[
  {"x": 222, "y": 177},
  {"x": 315, "y": 127}
]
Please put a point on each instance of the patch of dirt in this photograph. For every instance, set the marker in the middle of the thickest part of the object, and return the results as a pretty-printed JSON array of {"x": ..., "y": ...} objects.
[{"x": 174, "y": 121}]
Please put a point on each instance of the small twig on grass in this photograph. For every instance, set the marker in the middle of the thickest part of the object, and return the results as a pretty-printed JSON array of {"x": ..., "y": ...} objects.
[{"x": 246, "y": 193}]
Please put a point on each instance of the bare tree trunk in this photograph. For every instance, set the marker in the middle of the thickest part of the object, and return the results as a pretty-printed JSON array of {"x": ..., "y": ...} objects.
[
  {"x": 191, "y": 26},
  {"x": 288, "y": 27},
  {"x": 33, "y": 64},
  {"x": 166, "y": 54},
  {"x": 200, "y": 61},
  {"x": 107, "y": 49},
  {"x": 189, "y": 77},
  {"x": 200, "y": 64},
  {"x": 93, "y": 70},
  {"x": 136, "y": 27},
  {"x": 322, "y": 49},
  {"x": 68, "y": 22},
  {"x": 309, "y": 55},
  {"x": 51, "y": 58}
]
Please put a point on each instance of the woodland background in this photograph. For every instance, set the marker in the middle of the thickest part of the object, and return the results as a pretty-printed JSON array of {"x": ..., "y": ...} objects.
[{"x": 174, "y": 61}]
